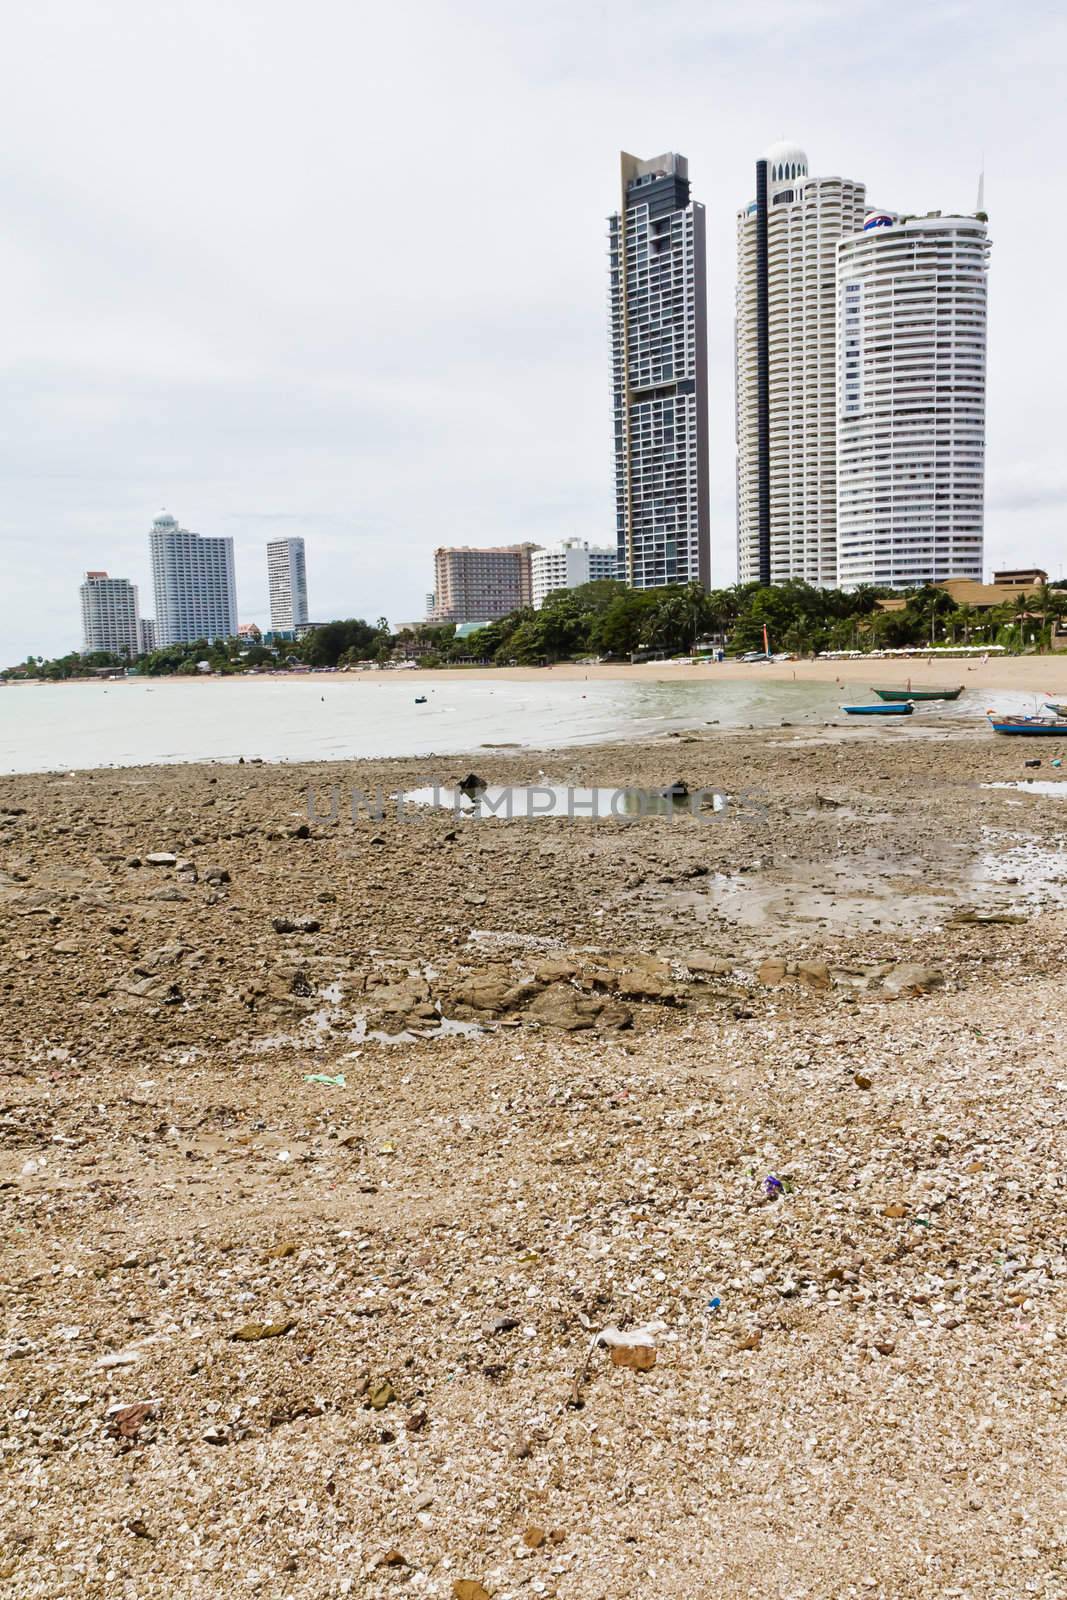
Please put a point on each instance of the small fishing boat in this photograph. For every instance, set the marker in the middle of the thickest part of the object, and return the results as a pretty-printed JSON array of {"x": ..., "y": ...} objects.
[
  {"x": 1056, "y": 726},
  {"x": 902, "y": 708},
  {"x": 420, "y": 699},
  {"x": 918, "y": 694},
  {"x": 1057, "y": 710}
]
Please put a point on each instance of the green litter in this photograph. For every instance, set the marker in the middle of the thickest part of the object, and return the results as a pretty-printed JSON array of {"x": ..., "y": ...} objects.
[{"x": 337, "y": 1082}]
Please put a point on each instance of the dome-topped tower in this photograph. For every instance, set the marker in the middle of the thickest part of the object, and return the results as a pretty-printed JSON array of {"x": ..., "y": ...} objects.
[{"x": 786, "y": 162}]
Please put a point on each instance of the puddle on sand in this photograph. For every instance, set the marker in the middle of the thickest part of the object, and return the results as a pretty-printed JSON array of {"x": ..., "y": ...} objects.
[
  {"x": 1032, "y": 786},
  {"x": 1009, "y": 872},
  {"x": 846, "y": 897},
  {"x": 527, "y": 803}
]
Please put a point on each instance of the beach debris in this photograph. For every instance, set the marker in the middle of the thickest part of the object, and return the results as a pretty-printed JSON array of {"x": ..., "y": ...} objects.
[
  {"x": 279, "y": 1252},
  {"x": 1035, "y": 762},
  {"x": 861, "y": 1080},
  {"x": 125, "y": 1421},
  {"x": 252, "y": 1331},
  {"x": 392, "y": 1558},
  {"x": 337, "y": 1081},
  {"x": 678, "y": 790},
  {"x": 911, "y": 976},
  {"x": 472, "y": 785},
  {"x": 295, "y": 924},
  {"x": 381, "y": 1395},
  {"x": 774, "y": 1186},
  {"x": 714, "y": 1303}
]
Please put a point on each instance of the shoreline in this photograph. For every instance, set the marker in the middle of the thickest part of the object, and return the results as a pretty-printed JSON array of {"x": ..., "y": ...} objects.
[{"x": 1039, "y": 674}]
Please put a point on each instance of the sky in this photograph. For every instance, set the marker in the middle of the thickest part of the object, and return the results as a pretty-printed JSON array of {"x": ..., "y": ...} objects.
[{"x": 340, "y": 270}]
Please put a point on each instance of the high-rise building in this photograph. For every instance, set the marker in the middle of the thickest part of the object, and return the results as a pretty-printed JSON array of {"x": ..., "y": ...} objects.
[
  {"x": 786, "y": 368},
  {"x": 193, "y": 578},
  {"x": 567, "y": 565},
  {"x": 911, "y": 399},
  {"x": 147, "y": 634},
  {"x": 287, "y": 577},
  {"x": 478, "y": 585},
  {"x": 110, "y": 615},
  {"x": 659, "y": 353}
]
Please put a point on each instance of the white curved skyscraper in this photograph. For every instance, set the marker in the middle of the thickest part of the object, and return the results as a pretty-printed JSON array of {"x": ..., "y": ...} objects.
[
  {"x": 911, "y": 402},
  {"x": 786, "y": 368}
]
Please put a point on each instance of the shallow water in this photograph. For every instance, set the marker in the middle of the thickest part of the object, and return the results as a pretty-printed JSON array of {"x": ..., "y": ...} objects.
[{"x": 49, "y": 727}]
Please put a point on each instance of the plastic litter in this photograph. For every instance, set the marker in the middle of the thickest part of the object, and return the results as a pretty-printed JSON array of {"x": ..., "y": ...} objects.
[
  {"x": 774, "y": 1186},
  {"x": 336, "y": 1082},
  {"x": 714, "y": 1303}
]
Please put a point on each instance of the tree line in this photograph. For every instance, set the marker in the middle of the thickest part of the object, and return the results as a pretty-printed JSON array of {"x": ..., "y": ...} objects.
[{"x": 607, "y": 619}]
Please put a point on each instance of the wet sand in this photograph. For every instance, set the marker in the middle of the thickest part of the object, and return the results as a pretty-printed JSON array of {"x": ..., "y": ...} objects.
[{"x": 786, "y": 1079}]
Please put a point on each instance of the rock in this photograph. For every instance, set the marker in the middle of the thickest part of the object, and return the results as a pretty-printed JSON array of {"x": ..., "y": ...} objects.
[
  {"x": 533, "y": 1537},
  {"x": 861, "y": 1080},
  {"x": 381, "y": 1395},
  {"x": 160, "y": 858},
  {"x": 552, "y": 970},
  {"x": 296, "y": 924},
  {"x": 771, "y": 972},
  {"x": 816, "y": 974},
  {"x": 910, "y": 975},
  {"x": 216, "y": 875},
  {"x": 469, "y": 1589},
  {"x": 714, "y": 966},
  {"x": 613, "y": 1017},
  {"x": 472, "y": 785},
  {"x": 215, "y": 1435},
  {"x": 638, "y": 984},
  {"x": 560, "y": 1006}
]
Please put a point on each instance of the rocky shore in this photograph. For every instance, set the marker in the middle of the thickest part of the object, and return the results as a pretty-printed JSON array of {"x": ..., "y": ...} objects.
[{"x": 330, "y": 1146}]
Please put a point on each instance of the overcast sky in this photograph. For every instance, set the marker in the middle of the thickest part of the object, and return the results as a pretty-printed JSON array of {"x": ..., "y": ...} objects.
[{"x": 339, "y": 270}]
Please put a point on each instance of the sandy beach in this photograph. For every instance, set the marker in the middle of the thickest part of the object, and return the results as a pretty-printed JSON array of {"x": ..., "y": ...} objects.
[{"x": 329, "y": 1150}]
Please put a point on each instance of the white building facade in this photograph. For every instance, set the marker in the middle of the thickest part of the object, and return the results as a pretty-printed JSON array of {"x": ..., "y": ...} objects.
[
  {"x": 287, "y": 578},
  {"x": 110, "y": 617},
  {"x": 912, "y": 298},
  {"x": 786, "y": 368},
  {"x": 194, "y": 583},
  {"x": 658, "y": 307},
  {"x": 567, "y": 565}
]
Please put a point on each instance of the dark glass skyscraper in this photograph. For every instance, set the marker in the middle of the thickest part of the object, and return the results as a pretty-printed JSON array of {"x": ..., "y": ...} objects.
[{"x": 659, "y": 350}]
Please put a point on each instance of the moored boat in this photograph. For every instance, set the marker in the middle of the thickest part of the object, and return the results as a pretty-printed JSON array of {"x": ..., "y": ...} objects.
[
  {"x": 903, "y": 708},
  {"x": 1055, "y": 726},
  {"x": 918, "y": 694},
  {"x": 1057, "y": 710}
]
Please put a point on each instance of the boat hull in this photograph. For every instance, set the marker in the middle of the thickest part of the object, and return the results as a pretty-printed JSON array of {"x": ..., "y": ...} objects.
[
  {"x": 904, "y": 709},
  {"x": 1030, "y": 727},
  {"x": 918, "y": 694}
]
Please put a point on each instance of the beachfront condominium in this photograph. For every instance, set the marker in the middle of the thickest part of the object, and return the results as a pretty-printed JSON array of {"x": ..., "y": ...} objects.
[
  {"x": 659, "y": 356},
  {"x": 786, "y": 368},
  {"x": 110, "y": 615},
  {"x": 567, "y": 565},
  {"x": 193, "y": 578},
  {"x": 473, "y": 584},
  {"x": 911, "y": 399},
  {"x": 287, "y": 578},
  {"x": 147, "y": 633}
]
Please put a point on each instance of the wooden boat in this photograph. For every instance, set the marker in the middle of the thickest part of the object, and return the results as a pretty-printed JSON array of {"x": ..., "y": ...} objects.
[
  {"x": 902, "y": 709},
  {"x": 1057, "y": 710},
  {"x": 918, "y": 694},
  {"x": 1056, "y": 726}
]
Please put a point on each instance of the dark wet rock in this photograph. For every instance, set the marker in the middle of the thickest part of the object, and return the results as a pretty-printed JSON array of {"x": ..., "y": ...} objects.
[{"x": 296, "y": 924}]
